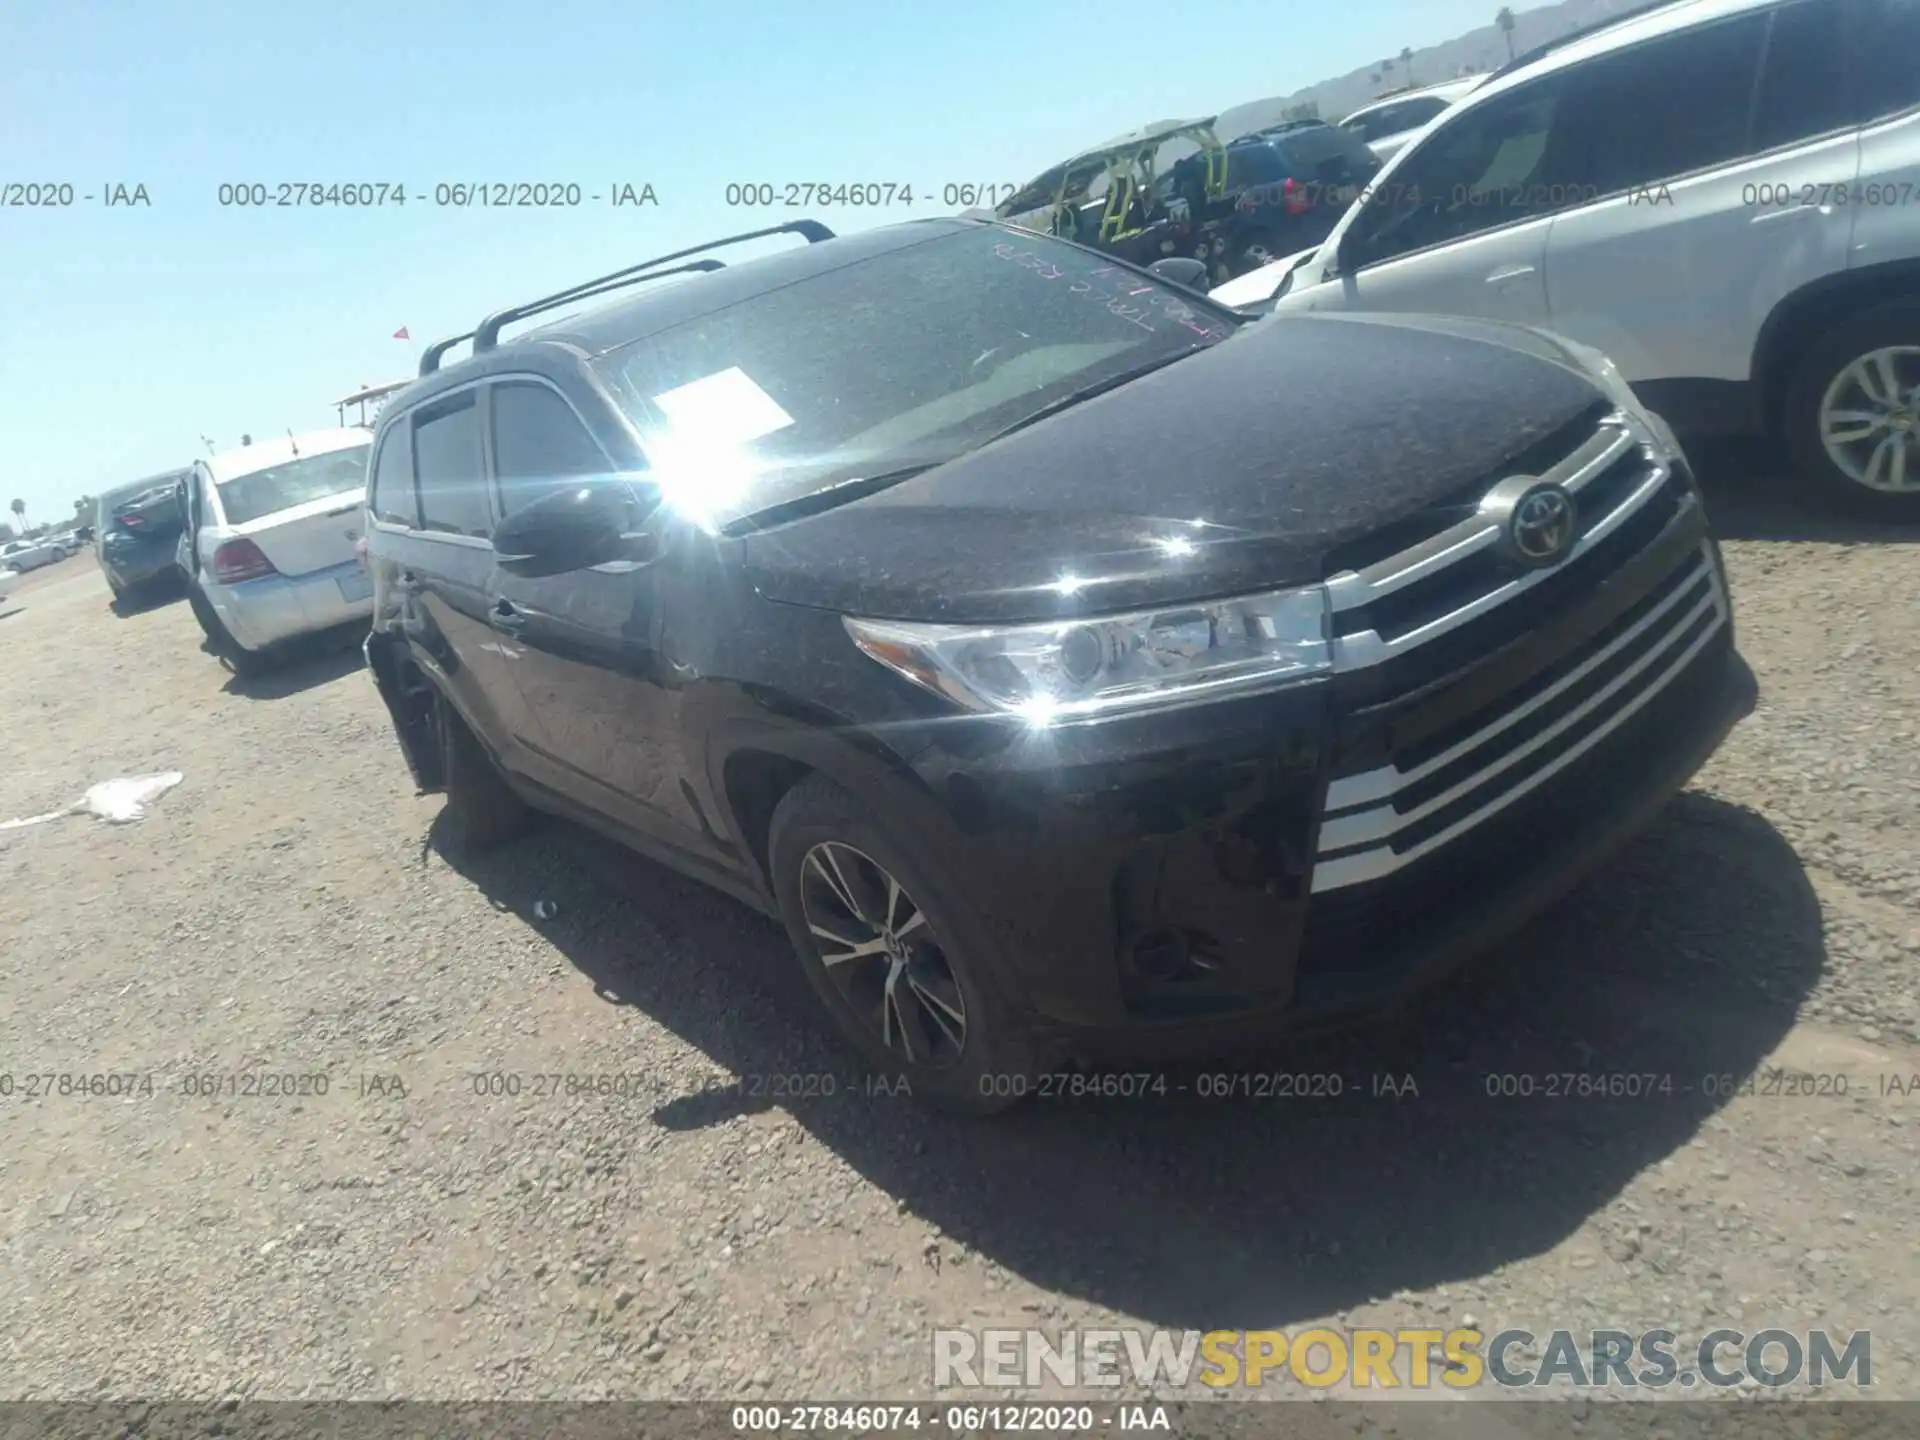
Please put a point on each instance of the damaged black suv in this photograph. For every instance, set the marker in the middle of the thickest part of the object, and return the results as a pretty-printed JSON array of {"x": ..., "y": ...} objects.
[{"x": 1080, "y": 670}]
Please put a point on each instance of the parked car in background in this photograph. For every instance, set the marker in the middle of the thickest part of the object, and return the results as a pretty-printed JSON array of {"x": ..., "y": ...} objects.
[
  {"x": 21, "y": 556},
  {"x": 1077, "y": 669},
  {"x": 1722, "y": 196},
  {"x": 136, "y": 533},
  {"x": 269, "y": 543},
  {"x": 1286, "y": 190},
  {"x": 1389, "y": 123}
]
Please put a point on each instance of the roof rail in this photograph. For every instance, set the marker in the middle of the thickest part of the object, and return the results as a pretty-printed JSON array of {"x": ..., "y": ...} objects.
[
  {"x": 430, "y": 360},
  {"x": 487, "y": 334},
  {"x": 1527, "y": 57}
]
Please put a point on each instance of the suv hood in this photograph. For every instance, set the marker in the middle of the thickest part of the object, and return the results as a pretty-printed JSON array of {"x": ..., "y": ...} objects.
[{"x": 1235, "y": 470}]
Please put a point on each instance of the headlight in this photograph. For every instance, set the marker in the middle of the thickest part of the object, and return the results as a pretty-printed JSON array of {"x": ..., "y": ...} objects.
[{"x": 1111, "y": 664}]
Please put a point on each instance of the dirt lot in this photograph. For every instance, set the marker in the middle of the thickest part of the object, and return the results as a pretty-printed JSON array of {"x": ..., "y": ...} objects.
[{"x": 289, "y": 909}]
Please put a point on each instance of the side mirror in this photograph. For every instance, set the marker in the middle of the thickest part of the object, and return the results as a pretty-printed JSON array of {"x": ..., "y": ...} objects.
[
  {"x": 1181, "y": 270},
  {"x": 572, "y": 529}
]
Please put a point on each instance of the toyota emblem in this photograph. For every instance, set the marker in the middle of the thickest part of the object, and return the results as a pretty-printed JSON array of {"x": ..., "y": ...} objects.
[{"x": 1536, "y": 519}]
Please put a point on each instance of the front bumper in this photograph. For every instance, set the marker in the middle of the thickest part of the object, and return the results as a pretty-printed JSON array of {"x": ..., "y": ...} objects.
[{"x": 275, "y": 608}]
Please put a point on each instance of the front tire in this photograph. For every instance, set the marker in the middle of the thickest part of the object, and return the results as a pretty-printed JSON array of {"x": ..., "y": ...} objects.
[
  {"x": 895, "y": 957},
  {"x": 479, "y": 799},
  {"x": 1851, "y": 413}
]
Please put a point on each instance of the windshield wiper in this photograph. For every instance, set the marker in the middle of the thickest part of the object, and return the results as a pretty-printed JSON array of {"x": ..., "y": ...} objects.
[
  {"x": 827, "y": 497},
  {"x": 1087, "y": 392}
]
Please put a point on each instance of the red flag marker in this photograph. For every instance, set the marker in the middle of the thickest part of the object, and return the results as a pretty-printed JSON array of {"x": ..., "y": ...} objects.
[{"x": 401, "y": 334}]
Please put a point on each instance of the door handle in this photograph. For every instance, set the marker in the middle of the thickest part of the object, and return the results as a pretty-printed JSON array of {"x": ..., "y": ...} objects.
[
  {"x": 1512, "y": 272},
  {"x": 505, "y": 615},
  {"x": 1774, "y": 216}
]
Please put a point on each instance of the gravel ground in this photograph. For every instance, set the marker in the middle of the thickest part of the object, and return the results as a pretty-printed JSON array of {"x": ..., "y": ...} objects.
[{"x": 289, "y": 909}]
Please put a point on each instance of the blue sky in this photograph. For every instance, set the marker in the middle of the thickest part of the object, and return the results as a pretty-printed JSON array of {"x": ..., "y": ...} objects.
[{"x": 131, "y": 332}]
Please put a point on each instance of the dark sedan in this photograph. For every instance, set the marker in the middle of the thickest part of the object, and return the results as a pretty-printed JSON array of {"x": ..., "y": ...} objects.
[{"x": 137, "y": 529}]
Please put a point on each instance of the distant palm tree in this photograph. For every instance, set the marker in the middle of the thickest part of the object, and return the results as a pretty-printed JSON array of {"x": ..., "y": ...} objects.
[
  {"x": 1376, "y": 77},
  {"x": 19, "y": 508},
  {"x": 1386, "y": 71},
  {"x": 1406, "y": 59},
  {"x": 1505, "y": 21}
]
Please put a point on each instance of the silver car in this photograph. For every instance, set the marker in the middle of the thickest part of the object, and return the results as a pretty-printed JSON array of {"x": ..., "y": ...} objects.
[
  {"x": 25, "y": 555},
  {"x": 269, "y": 544}
]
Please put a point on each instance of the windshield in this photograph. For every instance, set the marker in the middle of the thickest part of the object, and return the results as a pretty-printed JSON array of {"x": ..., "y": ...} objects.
[
  {"x": 281, "y": 487},
  {"x": 910, "y": 357}
]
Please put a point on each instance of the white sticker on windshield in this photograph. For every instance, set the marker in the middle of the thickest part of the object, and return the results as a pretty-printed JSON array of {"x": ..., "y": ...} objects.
[{"x": 727, "y": 409}]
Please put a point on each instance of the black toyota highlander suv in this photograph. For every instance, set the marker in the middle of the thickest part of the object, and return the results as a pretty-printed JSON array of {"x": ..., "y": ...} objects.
[{"x": 1080, "y": 671}]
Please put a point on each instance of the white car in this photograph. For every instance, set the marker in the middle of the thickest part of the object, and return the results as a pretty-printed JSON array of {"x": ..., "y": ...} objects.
[
  {"x": 269, "y": 542},
  {"x": 1720, "y": 196},
  {"x": 1387, "y": 125},
  {"x": 24, "y": 555}
]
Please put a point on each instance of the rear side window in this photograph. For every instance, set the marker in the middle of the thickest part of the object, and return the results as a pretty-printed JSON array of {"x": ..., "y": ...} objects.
[
  {"x": 1885, "y": 41},
  {"x": 447, "y": 467},
  {"x": 392, "y": 499},
  {"x": 539, "y": 444},
  {"x": 1803, "y": 90},
  {"x": 1673, "y": 105}
]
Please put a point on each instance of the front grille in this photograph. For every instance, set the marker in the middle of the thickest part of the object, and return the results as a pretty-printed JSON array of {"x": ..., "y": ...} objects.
[
  {"x": 1419, "y": 629},
  {"x": 1385, "y": 818},
  {"x": 1357, "y": 931},
  {"x": 1448, "y": 581}
]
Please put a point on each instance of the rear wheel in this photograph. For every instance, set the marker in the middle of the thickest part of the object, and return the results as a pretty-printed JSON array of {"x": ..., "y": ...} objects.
[
  {"x": 1851, "y": 414},
  {"x": 479, "y": 799},
  {"x": 235, "y": 656},
  {"x": 896, "y": 959}
]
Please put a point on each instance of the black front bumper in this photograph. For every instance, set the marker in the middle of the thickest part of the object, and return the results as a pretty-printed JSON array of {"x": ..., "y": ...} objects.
[{"x": 1364, "y": 950}]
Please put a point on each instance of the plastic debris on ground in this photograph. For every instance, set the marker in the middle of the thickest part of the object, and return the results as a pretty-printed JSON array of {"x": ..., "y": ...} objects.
[{"x": 119, "y": 801}]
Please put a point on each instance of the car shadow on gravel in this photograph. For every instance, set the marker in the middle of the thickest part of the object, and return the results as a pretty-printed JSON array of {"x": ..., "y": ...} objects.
[
  {"x": 1752, "y": 494},
  {"x": 304, "y": 664},
  {"x": 138, "y": 601},
  {"x": 1439, "y": 1146}
]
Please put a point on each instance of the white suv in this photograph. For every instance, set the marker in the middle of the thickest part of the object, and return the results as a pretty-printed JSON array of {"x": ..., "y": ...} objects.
[{"x": 1722, "y": 196}]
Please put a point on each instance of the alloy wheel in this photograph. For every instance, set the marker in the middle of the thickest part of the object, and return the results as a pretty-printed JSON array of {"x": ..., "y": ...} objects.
[
  {"x": 1870, "y": 420},
  {"x": 881, "y": 953}
]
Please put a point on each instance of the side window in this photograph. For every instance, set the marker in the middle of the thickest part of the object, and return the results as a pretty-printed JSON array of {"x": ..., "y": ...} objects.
[
  {"x": 1488, "y": 166},
  {"x": 447, "y": 468},
  {"x": 539, "y": 444},
  {"x": 1802, "y": 90},
  {"x": 1885, "y": 77},
  {"x": 1673, "y": 105},
  {"x": 393, "y": 499}
]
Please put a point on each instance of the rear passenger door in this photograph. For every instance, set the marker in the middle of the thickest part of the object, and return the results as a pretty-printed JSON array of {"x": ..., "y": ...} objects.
[
  {"x": 1722, "y": 155},
  {"x": 446, "y": 566},
  {"x": 1884, "y": 79}
]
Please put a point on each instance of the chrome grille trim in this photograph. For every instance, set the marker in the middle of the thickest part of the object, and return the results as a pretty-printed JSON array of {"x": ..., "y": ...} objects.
[
  {"x": 1614, "y": 437},
  {"x": 1366, "y": 647},
  {"x": 1376, "y": 786},
  {"x": 1382, "y": 824}
]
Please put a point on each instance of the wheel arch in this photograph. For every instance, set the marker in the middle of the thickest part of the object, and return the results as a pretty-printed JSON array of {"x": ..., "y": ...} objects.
[{"x": 1810, "y": 312}]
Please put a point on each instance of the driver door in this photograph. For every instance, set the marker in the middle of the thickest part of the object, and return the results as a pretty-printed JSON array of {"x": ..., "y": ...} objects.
[{"x": 1460, "y": 226}]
